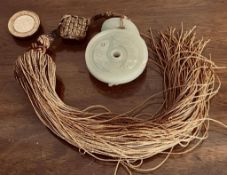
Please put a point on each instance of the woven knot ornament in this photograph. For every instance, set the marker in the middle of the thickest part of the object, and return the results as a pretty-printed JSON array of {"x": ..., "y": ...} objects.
[{"x": 73, "y": 27}]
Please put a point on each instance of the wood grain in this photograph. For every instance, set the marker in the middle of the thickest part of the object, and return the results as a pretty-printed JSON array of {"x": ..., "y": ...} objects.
[{"x": 27, "y": 147}]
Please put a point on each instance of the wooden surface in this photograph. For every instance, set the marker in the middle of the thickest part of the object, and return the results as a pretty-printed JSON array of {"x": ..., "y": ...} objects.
[{"x": 27, "y": 147}]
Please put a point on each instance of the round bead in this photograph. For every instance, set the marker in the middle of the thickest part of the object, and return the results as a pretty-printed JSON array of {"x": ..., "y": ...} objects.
[{"x": 23, "y": 24}]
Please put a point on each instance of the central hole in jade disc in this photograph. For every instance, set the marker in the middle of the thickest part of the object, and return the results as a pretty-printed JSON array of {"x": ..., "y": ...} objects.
[{"x": 116, "y": 54}]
